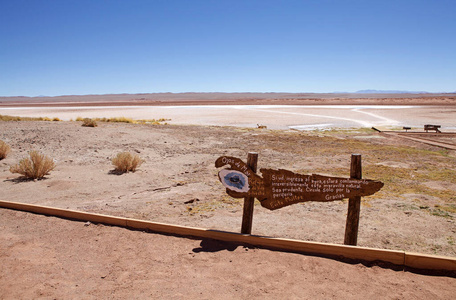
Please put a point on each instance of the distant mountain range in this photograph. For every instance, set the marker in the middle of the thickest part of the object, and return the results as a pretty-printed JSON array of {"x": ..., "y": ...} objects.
[{"x": 389, "y": 92}]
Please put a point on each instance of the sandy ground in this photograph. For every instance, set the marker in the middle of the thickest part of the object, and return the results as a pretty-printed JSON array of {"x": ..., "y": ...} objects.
[
  {"x": 50, "y": 258},
  {"x": 178, "y": 184},
  {"x": 178, "y": 181}
]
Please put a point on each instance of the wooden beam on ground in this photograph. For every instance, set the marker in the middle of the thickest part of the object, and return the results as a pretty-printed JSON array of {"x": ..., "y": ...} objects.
[
  {"x": 429, "y": 262},
  {"x": 66, "y": 213},
  {"x": 422, "y": 140},
  {"x": 401, "y": 258}
]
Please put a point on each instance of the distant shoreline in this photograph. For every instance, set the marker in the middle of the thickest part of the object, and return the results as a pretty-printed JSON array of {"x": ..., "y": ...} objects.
[{"x": 180, "y": 99}]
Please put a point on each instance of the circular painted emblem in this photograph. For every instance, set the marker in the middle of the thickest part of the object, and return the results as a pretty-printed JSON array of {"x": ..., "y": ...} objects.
[{"x": 234, "y": 180}]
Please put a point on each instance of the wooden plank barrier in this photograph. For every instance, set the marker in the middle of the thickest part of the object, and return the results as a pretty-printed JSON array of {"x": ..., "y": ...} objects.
[
  {"x": 66, "y": 213},
  {"x": 401, "y": 258},
  {"x": 433, "y": 262}
]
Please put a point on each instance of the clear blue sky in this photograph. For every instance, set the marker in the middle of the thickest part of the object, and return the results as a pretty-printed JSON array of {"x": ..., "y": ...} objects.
[{"x": 65, "y": 47}]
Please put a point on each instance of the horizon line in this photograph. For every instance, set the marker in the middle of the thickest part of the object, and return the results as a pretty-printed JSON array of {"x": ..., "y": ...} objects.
[{"x": 367, "y": 91}]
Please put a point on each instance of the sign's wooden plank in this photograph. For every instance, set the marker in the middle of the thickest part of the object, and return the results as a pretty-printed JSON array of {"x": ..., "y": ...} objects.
[{"x": 279, "y": 188}]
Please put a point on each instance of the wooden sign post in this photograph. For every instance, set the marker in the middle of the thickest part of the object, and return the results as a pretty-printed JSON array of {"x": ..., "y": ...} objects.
[
  {"x": 247, "y": 216},
  {"x": 354, "y": 204},
  {"x": 280, "y": 188}
]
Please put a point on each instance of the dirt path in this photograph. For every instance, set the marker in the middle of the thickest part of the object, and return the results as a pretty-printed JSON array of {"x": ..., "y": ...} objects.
[{"x": 51, "y": 258}]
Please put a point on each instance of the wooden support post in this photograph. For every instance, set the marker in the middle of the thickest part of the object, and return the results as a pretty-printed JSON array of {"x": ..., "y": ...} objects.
[
  {"x": 247, "y": 216},
  {"x": 354, "y": 204}
]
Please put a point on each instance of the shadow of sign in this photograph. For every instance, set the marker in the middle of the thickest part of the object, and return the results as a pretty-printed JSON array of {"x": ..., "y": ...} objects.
[{"x": 210, "y": 245}]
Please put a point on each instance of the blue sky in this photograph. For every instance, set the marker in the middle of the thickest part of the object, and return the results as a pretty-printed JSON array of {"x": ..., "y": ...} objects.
[{"x": 65, "y": 47}]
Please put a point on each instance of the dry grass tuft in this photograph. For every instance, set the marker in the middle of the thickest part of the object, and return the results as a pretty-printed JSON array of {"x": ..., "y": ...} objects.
[
  {"x": 9, "y": 118},
  {"x": 161, "y": 121},
  {"x": 121, "y": 120},
  {"x": 126, "y": 162},
  {"x": 18, "y": 119},
  {"x": 34, "y": 167},
  {"x": 89, "y": 123},
  {"x": 4, "y": 149}
]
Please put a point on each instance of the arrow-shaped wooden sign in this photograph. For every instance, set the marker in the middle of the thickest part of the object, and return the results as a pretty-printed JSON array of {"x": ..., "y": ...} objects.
[{"x": 280, "y": 188}]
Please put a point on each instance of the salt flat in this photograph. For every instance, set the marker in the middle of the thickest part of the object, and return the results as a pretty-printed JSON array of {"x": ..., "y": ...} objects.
[{"x": 301, "y": 117}]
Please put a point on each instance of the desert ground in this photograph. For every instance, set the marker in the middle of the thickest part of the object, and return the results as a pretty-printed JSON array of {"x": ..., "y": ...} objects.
[
  {"x": 50, "y": 258},
  {"x": 177, "y": 183}
]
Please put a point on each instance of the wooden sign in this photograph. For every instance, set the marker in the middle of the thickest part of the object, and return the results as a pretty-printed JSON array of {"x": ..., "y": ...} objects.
[{"x": 280, "y": 188}]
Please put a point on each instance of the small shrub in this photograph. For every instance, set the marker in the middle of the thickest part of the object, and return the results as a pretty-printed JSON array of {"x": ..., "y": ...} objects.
[
  {"x": 4, "y": 149},
  {"x": 126, "y": 162},
  {"x": 89, "y": 123},
  {"x": 34, "y": 167}
]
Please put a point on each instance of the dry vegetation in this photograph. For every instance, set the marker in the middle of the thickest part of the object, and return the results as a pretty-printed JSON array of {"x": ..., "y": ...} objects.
[
  {"x": 161, "y": 121},
  {"x": 89, "y": 123},
  {"x": 126, "y": 162},
  {"x": 4, "y": 149},
  {"x": 16, "y": 119},
  {"x": 36, "y": 166},
  {"x": 126, "y": 120}
]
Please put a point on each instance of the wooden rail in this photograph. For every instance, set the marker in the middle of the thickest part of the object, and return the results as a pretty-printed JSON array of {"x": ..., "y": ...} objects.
[
  {"x": 423, "y": 140},
  {"x": 401, "y": 258},
  {"x": 417, "y": 137}
]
